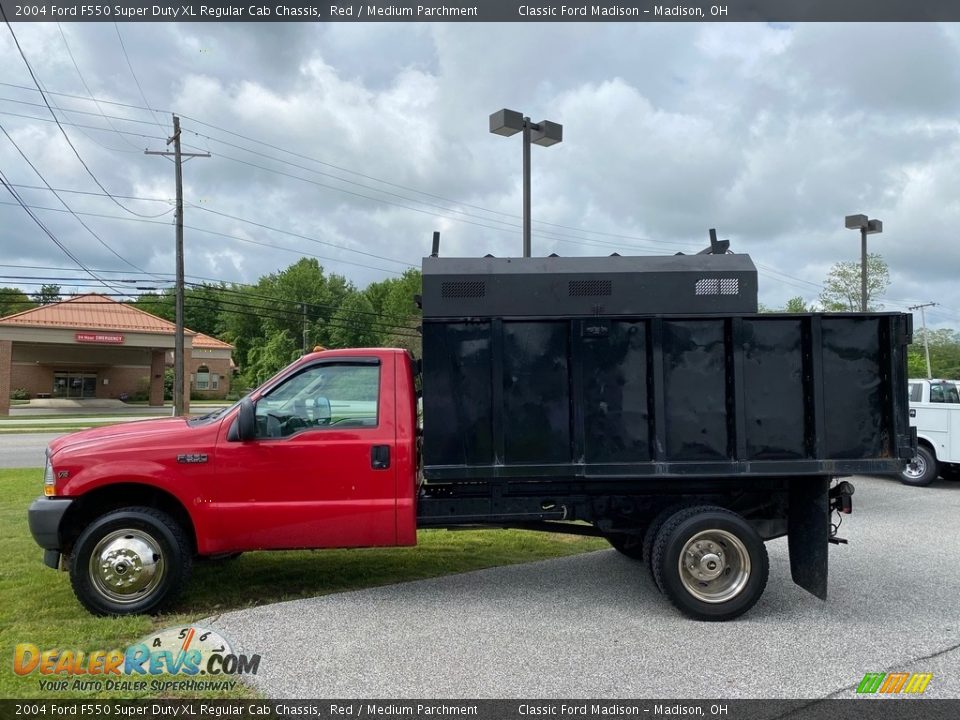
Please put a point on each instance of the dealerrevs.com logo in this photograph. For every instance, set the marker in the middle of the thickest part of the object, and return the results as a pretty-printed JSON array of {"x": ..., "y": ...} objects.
[
  {"x": 182, "y": 658},
  {"x": 894, "y": 683}
]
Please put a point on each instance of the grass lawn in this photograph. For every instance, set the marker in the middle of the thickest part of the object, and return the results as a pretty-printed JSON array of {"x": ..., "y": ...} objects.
[{"x": 37, "y": 605}]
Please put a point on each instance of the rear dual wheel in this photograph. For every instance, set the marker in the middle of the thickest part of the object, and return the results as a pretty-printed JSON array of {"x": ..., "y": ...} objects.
[{"x": 710, "y": 563}]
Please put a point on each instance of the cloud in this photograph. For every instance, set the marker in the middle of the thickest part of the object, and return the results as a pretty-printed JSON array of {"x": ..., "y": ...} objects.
[{"x": 770, "y": 134}]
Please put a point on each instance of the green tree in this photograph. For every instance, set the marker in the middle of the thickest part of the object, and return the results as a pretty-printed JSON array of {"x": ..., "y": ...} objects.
[
  {"x": 841, "y": 289},
  {"x": 269, "y": 356},
  {"x": 944, "y": 354},
  {"x": 14, "y": 300},
  {"x": 393, "y": 300},
  {"x": 354, "y": 324},
  {"x": 796, "y": 305},
  {"x": 301, "y": 295},
  {"x": 47, "y": 295}
]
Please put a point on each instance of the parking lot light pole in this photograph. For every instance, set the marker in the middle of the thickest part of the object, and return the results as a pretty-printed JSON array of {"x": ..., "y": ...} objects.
[
  {"x": 866, "y": 227},
  {"x": 544, "y": 133}
]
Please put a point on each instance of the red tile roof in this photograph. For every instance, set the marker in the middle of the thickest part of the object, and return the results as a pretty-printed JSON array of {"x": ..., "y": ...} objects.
[
  {"x": 210, "y": 343},
  {"x": 98, "y": 312}
]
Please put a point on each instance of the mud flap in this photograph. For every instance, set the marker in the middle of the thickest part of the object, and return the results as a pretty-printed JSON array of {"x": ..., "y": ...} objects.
[{"x": 808, "y": 524}]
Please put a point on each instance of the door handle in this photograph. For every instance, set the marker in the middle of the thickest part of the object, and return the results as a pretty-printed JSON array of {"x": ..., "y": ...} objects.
[{"x": 380, "y": 457}]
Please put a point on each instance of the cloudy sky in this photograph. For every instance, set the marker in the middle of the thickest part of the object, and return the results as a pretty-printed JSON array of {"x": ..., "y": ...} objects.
[{"x": 355, "y": 142}]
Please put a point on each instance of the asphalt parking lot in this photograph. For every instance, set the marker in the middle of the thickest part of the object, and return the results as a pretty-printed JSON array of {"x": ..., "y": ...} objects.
[
  {"x": 595, "y": 626},
  {"x": 20, "y": 450}
]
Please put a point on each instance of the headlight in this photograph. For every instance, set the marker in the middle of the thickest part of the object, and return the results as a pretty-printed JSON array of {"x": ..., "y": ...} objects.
[{"x": 49, "y": 481}]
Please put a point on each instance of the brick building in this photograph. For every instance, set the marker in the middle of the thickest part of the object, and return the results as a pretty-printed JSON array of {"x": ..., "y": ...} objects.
[{"x": 93, "y": 347}]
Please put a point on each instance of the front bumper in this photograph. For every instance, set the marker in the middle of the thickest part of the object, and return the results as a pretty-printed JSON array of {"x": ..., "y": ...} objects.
[{"x": 44, "y": 517}]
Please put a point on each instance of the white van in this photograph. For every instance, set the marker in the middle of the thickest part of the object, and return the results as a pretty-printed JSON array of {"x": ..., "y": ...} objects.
[{"x": 935, "y": 412}]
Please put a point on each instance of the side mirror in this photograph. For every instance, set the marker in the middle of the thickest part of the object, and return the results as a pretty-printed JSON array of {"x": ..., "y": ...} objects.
[{"x": 246, "y": 420}]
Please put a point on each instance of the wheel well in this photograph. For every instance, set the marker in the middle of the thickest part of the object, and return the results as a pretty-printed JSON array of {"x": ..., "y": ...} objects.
[
  {"x": 928, "y": 445},
  {"x": 97, "y": 502}
]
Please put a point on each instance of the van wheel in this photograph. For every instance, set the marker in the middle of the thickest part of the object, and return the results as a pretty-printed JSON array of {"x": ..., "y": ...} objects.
[
  {"x": 710, "y": 563},
  {"x": 129, "y": 561},
  {"x": 921, "y": 470},
  {"x": 626, "y": 544}
]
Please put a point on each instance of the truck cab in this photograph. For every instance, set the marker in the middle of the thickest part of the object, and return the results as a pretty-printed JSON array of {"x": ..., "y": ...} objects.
[
  {"x": 322, "y": 455},
  {"x": 935, "y": 413}
]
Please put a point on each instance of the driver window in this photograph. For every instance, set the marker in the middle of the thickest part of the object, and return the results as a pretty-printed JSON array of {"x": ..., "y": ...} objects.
[{"x": 334, "y": 396}]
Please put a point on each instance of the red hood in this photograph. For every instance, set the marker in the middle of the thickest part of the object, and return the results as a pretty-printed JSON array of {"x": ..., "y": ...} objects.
[{"x": 123, "y": 430}]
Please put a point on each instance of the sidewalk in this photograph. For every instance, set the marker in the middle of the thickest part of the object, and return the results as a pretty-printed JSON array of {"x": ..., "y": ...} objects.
[{"x": 29, "y": 415}]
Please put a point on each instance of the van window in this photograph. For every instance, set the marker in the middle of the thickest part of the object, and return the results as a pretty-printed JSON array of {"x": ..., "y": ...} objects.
[
  {"x": 944, "y": 393},
  {"x": 916, "y": 392}
]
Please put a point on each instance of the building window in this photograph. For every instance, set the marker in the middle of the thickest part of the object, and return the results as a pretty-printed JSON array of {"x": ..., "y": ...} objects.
[
  {"x": 203, "y": 378},
  {"x": 214, "y": 381}
]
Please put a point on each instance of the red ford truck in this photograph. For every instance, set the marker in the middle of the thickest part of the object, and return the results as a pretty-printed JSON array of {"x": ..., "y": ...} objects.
[{"x": 643, "y": 400}]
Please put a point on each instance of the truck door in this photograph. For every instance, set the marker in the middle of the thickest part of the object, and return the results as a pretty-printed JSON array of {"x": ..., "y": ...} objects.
[{"x": 320, "y": 471}]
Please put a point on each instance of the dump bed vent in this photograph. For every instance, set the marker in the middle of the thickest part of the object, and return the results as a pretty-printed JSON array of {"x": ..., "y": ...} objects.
[
  {"x": 717, "y": 286},
  {"x": 464, "y": 289},
  {"x": 589, "y": 288}
]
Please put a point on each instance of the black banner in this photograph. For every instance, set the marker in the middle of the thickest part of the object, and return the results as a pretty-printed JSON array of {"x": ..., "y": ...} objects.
[
  {"x": 874, "y": 708},
  {"x": 482, "y": 11}
]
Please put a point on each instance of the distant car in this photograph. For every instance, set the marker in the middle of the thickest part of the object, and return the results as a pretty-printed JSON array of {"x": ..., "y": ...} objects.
[{"x": 935, "y": 412}]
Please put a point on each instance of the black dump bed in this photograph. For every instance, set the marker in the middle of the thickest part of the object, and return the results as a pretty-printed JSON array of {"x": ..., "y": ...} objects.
[{"x": 637, "y": 367}]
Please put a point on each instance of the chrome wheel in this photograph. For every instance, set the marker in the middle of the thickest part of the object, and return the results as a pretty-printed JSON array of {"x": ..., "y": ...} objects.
[
  {"x": 126, "y": 566},
  {"x": 714, "y": 566}
]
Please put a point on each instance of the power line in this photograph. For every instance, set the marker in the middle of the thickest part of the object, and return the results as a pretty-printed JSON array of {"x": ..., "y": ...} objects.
[
  {"x": 261, "y": 313},
  {"x": 541, "y": 233},
  {"x": 87, "y": 87},
  {"x": 90, "y": 193},
  {"x": 135, "y": 79},
  {"x": 46, "y": 230},
  {"x": 298, "y": 235},
  {"x": 295, "y": 251},
  {"x": 62, "y": 130},
  {"x": 32, "y": 280},
  {"x": 64, "y": 202}
]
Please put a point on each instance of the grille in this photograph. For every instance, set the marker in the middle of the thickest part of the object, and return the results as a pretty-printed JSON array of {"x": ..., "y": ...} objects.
[
  {"x": 589, "y": 288},
  {"x": 464, "y": 289},
  {"x": 717, "y": 286}
]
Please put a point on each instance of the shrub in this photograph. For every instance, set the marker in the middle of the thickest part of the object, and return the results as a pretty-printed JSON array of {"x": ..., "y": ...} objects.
[{"x": 20, "y": 394}]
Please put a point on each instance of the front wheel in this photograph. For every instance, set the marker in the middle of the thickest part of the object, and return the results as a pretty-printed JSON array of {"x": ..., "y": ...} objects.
[
  {"x": 710, "y": 563},
  {"x": 129, "y": 561},
  {"x": 921, "y": 470}
]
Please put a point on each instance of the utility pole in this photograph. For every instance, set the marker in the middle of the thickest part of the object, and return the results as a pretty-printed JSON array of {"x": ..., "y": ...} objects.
[
  {"x": 303, "y": 307},
  {"x": 178, "y": 364},
  {"x": 926, "y": 340}
]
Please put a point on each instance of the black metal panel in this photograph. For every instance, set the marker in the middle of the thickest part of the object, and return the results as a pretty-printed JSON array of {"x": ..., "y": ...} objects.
[
  {"x": 616, "y": 399},
  {"x": 457, "y": 410},
  {"x": 773, "y": 370},
  {"x": 558, "y": 287},
  {"x": 809, "y": 532},
  {"x": 856, "y": 417},
  {"x": 536, "y": 392},
  {"x": 696, "y": 390}
]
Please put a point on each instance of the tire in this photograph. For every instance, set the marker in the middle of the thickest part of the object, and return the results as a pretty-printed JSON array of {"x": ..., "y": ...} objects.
[
  {"x": 144, "y": 562},
  {"x": 627, "y": 544},
  {"x": 717, "y": 542},
  {"x": 921, "y": 470},
  {"x": 650, "y": 536}
]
